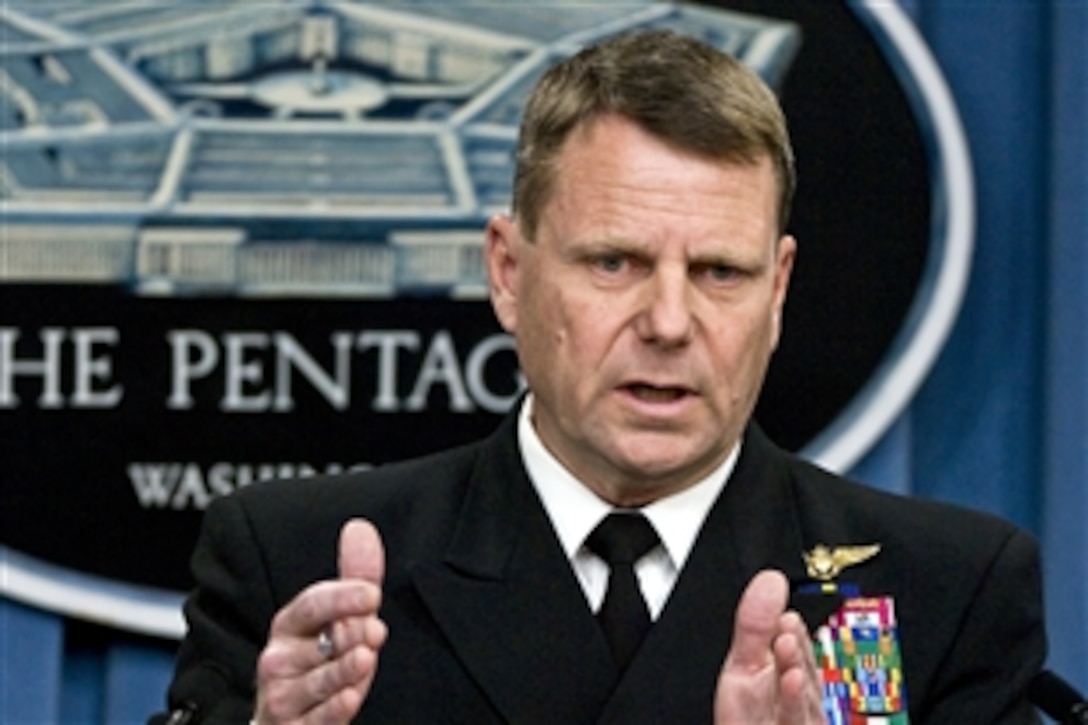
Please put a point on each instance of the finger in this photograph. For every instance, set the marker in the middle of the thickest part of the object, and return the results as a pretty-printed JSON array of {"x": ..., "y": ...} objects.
[
  {"x": 793, "y": 646},
  {"x": 336, "y": 710},
  {"x": 324, "y": 602},
  {"x": 800, "y": 684},
  {"x": 355, "y": 670},
  {"x": 374, "y": 633},
  {"x": 345, "y": 634},
  {"x": 287, "y": 657},
  {"x": 361, "y": 553},
  {"x": 331, "y": 691},
  {"x": 795, "y": 624},
  {"x": 757, "y": 620}
]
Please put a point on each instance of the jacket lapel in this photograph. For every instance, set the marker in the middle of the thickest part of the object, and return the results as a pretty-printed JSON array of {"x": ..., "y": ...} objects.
[
  {"x": 509, "y": 602},
  {"x": 752, "y": 526},
  {"x": 505, "y": 593}
]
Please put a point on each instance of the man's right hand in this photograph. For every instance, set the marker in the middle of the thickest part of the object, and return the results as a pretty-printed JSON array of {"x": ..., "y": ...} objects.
[{"x": 296, "y": 680}]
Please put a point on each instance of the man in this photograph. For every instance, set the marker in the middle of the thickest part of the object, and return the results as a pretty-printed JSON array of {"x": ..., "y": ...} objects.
[{"x": 643, "y": 273}]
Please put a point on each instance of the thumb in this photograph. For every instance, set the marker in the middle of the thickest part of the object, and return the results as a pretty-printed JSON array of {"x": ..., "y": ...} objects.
[
  {"x": 362, "y": 555},
  {"x": 756, "y": 622}
]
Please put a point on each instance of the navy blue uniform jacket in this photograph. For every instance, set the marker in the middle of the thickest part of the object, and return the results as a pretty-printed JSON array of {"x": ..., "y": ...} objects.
[{"x": 487, "y": 622}]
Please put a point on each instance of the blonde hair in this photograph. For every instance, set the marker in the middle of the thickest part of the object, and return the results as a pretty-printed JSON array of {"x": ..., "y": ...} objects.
[{"x": 680, "y": 90}]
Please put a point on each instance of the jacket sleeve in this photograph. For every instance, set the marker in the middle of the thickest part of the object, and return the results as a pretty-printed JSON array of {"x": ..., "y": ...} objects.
[
  {"x": 1000, "y": 645},
  {"x": 228, "y": 615}
]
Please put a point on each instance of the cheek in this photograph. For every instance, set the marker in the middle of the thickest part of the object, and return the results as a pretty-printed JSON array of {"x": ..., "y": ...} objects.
[
  {"x": 547, "y": 328},
  {"x": 562, "y": 313},
  {"x": 741, "y": 349},
  {"x": 589, "y": 330}
]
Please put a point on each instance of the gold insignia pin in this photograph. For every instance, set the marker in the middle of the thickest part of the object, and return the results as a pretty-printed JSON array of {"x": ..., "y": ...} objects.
[{"x": 824, "y": 563}]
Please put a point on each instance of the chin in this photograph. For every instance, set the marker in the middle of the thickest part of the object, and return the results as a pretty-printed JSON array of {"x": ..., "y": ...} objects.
[{"x": 655, "y": 472}]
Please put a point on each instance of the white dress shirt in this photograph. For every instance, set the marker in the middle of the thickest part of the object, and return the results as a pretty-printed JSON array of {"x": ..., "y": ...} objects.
[{"x": 575, "y": 511}]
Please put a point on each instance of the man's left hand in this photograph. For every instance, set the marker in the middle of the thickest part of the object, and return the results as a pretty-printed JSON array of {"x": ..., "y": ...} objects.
[{"x": 770, "y": 674}]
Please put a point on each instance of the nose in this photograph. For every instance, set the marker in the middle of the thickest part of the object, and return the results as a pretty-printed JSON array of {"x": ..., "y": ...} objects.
[{"x": 666, "y": 317}]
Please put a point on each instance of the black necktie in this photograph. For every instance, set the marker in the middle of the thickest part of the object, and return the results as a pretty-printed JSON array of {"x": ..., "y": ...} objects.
[{"x": 621, "y": 539}]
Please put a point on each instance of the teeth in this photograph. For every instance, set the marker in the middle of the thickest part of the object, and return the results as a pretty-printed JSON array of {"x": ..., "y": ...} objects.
[{"x": 656, "y": 395}]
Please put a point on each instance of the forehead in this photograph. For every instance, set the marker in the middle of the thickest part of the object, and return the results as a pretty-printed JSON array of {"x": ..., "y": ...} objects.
[{"x": 614, "y": 178}]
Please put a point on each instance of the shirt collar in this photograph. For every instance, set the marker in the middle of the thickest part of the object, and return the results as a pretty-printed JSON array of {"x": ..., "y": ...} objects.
[{"x": 575, "y": 510}]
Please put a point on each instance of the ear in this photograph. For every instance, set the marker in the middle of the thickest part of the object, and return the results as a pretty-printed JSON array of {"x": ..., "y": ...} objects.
[
  {"x": 786, "y": 253},
  {"x": 503, "y": 240}
]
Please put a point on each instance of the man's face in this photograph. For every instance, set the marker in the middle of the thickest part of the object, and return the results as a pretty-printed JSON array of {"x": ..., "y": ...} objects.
[{"x": 646, "y": 309}]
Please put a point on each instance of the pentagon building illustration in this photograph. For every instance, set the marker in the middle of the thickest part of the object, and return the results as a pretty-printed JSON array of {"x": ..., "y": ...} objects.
[{"x": 286, "y": 148}]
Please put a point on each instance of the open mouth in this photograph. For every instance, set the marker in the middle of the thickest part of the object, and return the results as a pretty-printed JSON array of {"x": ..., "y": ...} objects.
[{"x": 655, "y": 394}]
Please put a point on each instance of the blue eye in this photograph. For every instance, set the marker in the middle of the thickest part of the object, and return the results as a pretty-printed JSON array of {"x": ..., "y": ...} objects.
[
  {"x": 611, "y": 263},
  {"x": 722, "y": 272}
]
